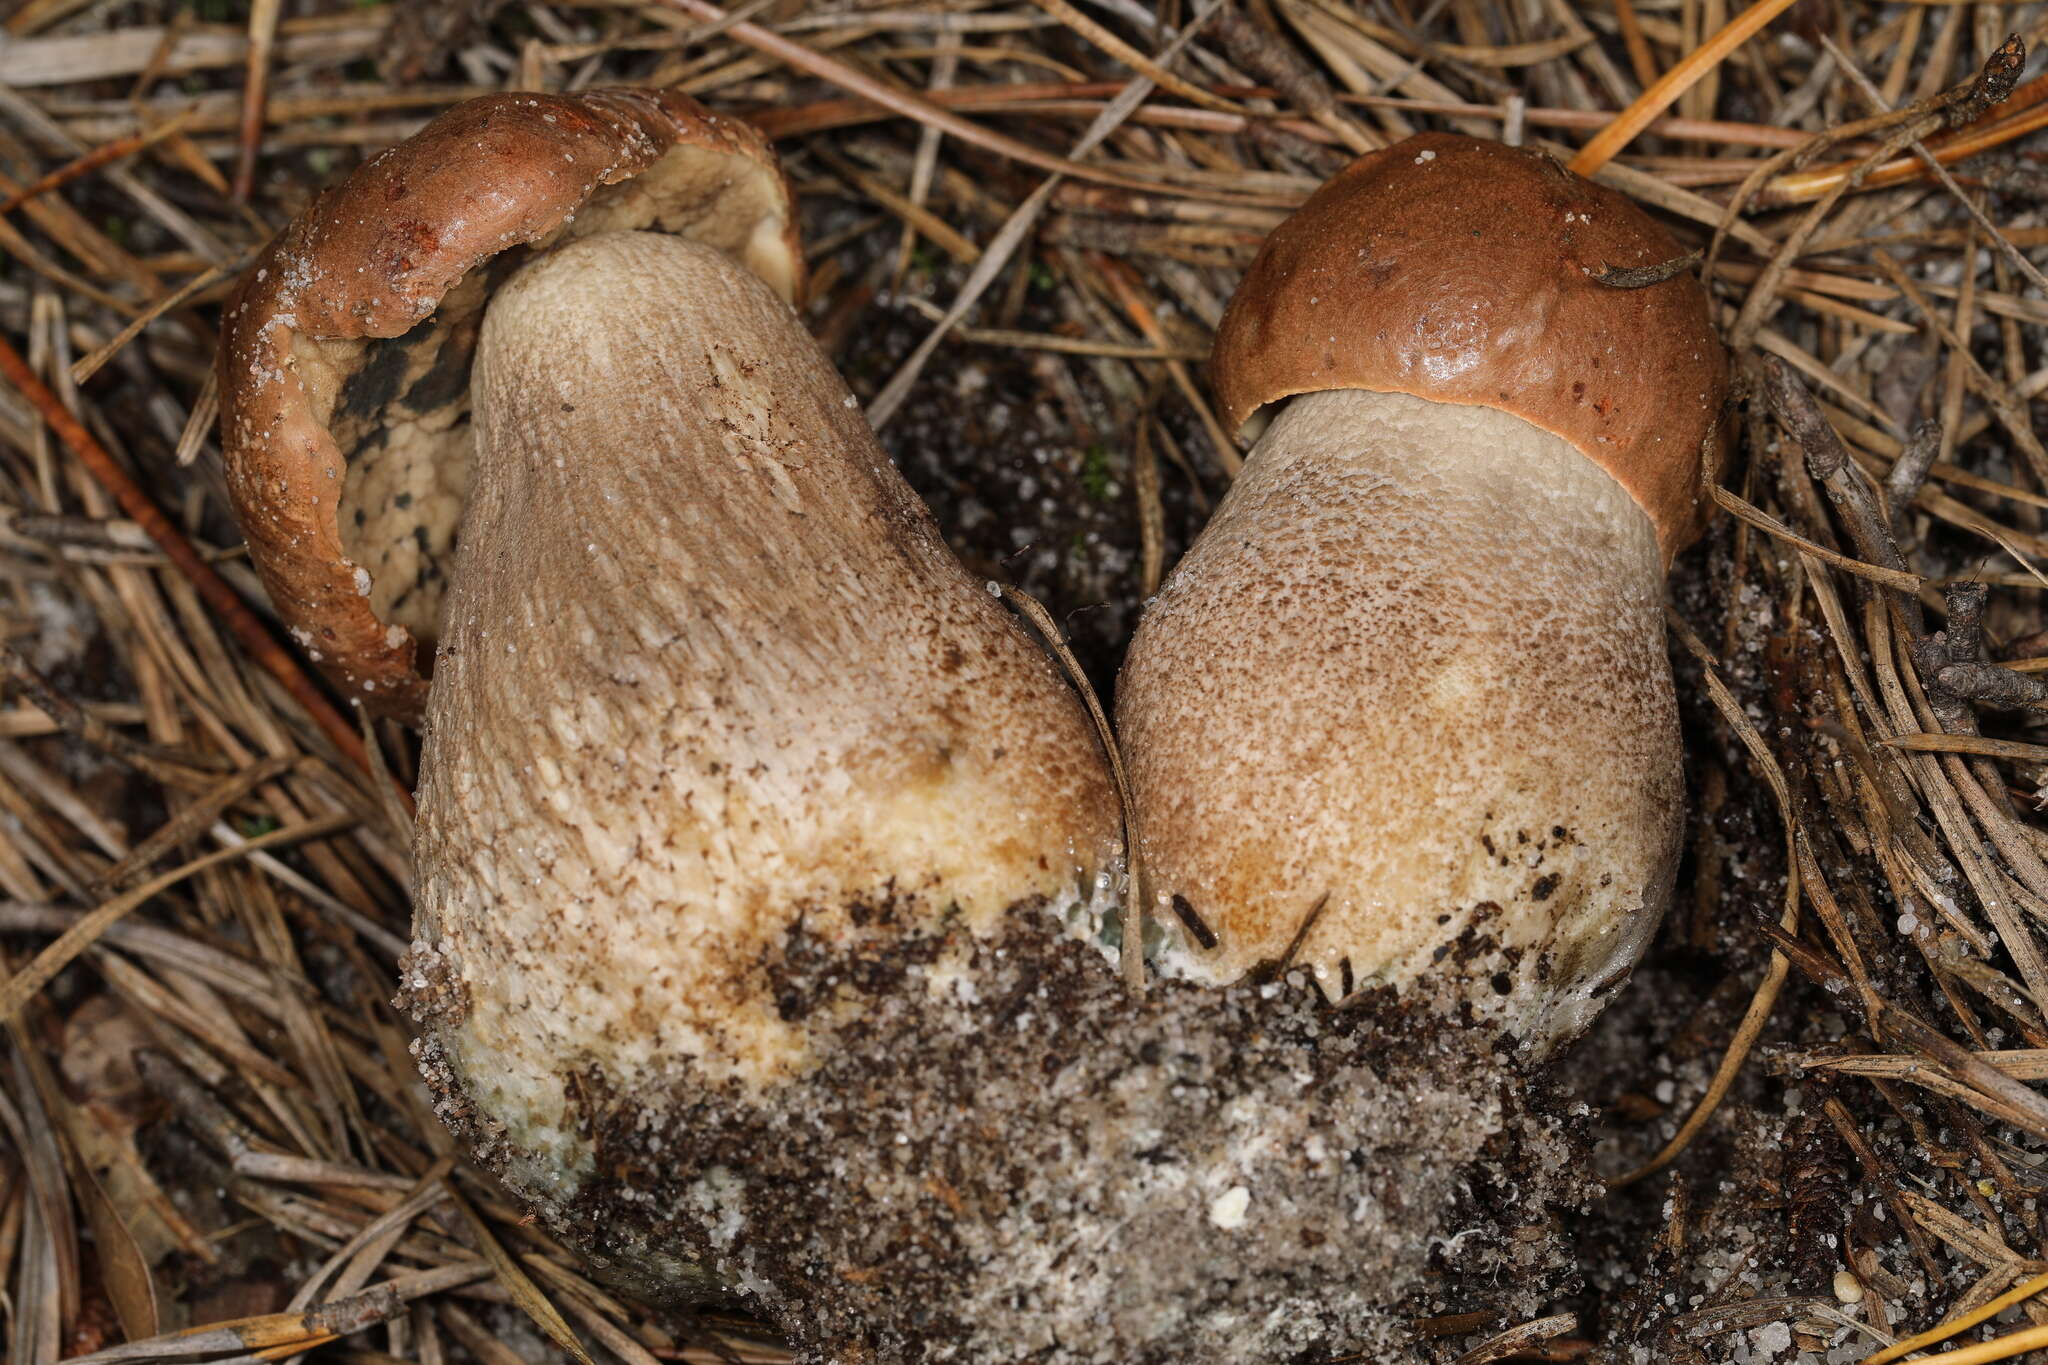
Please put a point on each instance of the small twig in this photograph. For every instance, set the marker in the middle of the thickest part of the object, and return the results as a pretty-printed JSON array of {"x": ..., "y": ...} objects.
[
  {"x": 1909, "y": 471},
  {"x": 2010, "y": 410},
  {"x": 1643, "y": 276},
  {"x": 1963, "y": 601},
  {"x": 1990, "y": 685},
  {"x": 1848, "y": 488},
  {"x": 208, "y": 1119},
  {"x": 1971, "y": 102},
  {"x": 1802, "y": 186},
  {"x": 1518, "y": 1339},
  {"x": 1265, "y": 56}
]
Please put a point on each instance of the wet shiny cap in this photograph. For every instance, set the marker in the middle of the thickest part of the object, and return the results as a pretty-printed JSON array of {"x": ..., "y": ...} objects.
[{"x": 1467, "y": 271}]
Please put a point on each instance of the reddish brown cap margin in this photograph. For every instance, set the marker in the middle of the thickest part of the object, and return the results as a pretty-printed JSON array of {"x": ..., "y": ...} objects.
[
  {"x": 1462, "y": 270},
  {"x": 374, "y": 258}
]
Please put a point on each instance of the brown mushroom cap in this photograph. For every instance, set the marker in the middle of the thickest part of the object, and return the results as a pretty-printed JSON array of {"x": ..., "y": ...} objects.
[
  {"x": 1465, "y": 271},
  {"x": 344, "y": 361}
]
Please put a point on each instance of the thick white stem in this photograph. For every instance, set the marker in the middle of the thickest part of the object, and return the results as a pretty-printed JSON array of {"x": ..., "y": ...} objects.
[
  {"x": 1413, "y": 672},
  {"x": 708, "y": 671}
]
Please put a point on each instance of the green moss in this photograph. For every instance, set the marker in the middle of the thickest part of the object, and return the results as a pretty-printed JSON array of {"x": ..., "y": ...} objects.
[{"x": 1096, "y": 479}]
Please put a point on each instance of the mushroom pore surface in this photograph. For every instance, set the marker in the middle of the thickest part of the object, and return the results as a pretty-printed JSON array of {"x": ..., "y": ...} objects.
[
  {"x": 709, "y": 672},
  {"x": 1413, "y": 674}
]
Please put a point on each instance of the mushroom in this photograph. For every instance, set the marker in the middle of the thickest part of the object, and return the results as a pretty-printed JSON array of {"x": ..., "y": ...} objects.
[
  {"x": 761, "y": 937},
  {"x": 345, "y": 353},
  {"x": 711, "y": 694},
  {"x": 1403, "y": 714}
]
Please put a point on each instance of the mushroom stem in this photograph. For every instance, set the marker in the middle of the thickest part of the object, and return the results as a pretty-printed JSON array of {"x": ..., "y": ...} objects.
[
  {"x": 1414, "y": 666},
  {"x": 709, "y": 674}
]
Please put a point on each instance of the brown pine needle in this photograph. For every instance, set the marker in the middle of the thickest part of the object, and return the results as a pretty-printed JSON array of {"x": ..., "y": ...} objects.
[
  {"x": 1639, "y": 56},
  {"x": 1801, "y": 187},
  {"x": 93, "y": 160},
  {"x": 917, "y": 106},
  {"x": 219, "y": 596},
  {"x": 1630, "y": 122},
  {"x": 1131, "y": 57},
  {"x": 2028, "y": 1340},
  {"x": 1766, "y": 997},
  {"x": 263, "y": 17},
  {"x": 516, "y": 1282},
  {"x": 43, "y": 969}
]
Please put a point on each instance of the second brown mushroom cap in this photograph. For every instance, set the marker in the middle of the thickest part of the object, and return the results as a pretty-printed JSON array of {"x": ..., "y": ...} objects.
[{"x": 1404, "y": 710}]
